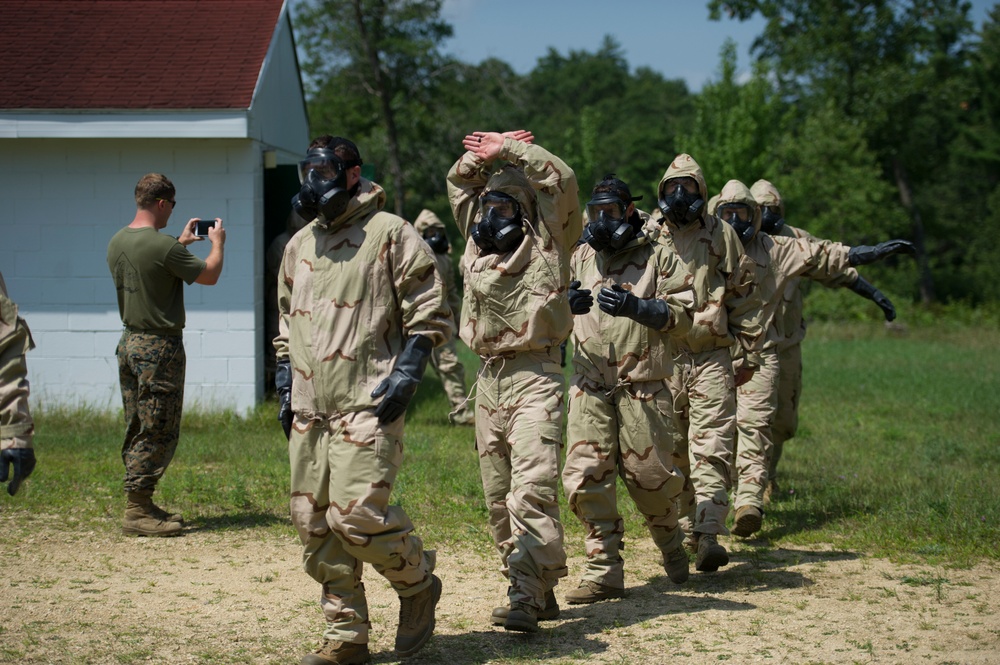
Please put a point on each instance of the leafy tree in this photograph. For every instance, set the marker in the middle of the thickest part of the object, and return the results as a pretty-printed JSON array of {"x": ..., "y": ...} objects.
[
  {"x": 889, "y": 63},
  {"x": 736, "y": 126},
  {"x": 367, "y": 63}
]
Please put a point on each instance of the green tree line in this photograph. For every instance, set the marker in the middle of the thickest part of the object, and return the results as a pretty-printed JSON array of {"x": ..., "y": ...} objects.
[{"x": 874, "y": 118}]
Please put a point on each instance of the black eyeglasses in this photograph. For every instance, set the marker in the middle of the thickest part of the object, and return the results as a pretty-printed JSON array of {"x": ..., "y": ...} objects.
[{"x": 173, "y": 204}]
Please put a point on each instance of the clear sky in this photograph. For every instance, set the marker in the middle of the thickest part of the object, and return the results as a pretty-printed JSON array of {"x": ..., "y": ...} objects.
[{"x": 673, "y": 37}]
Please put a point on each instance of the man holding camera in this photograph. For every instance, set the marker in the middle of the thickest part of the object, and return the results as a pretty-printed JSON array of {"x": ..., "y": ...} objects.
[{"x": 149, "y": 270}]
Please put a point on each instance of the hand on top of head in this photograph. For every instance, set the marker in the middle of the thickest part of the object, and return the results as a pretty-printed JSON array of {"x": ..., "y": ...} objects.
[{"x": 486, "y": 145}]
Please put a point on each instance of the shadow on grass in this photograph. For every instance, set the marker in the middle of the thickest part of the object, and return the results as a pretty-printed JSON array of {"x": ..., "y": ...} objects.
[{"x": 239, "y": 520}]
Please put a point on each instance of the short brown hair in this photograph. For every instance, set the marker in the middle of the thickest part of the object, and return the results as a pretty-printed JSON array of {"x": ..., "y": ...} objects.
[
  {"x": 341, "y": 147},
  {"x": 153, "y": 186}
]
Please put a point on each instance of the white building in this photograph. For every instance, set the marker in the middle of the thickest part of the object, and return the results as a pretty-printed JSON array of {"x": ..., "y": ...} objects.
[{"x": 91, "y": 99}]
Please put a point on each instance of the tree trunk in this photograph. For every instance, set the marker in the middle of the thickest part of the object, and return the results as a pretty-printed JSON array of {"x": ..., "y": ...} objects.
[
  {"x": 906, "y": 198},
  {"x": 385, "y": 98}
]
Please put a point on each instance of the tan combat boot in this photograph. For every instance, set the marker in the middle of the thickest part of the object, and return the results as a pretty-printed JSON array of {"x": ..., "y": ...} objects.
[
  {"x": 522, "y": 617},
  {"x": 416, "y": 618},
  {"x": 675, "y": 564},
  {"x": 140, "y": 520},
  {"x": 592, "y": 592},
  {"x": 161, "y": 514},
  {"x": 748, "y": 521},
  {"x": 340, "y": 653},
  {"x": 551, "y": 611},
  {"x": 711, "y": 555}
]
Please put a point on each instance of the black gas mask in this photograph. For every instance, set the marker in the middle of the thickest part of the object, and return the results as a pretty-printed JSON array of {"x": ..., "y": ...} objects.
[
  {"x": 499, "y": 230},
  {"x": 771, "y": 220},
  {"x": 437, "y": 239},
  {"x": 609, "y": 228},
  {"x": 740, "y": 217},
  {"x": 680, "y": 200},
  {"x": 324, "y": 191}
]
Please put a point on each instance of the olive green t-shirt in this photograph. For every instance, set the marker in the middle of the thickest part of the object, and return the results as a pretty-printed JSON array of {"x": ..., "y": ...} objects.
[{"x": 148, "y": 268}]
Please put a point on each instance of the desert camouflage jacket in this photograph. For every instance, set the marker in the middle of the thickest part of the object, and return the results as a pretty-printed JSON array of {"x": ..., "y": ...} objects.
[
  {"x": 428, "y": 220},
  {"x": 608, "y": 349},
  {"x": 788, "y": 326},
  {"x": 350, "y": 293},
  {"x": 517, "y": 301},
  {"x": 727, "y": 310}
]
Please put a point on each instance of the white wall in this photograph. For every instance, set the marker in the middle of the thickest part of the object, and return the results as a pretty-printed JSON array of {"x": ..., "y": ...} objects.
[{"x": 61, "y": 200}]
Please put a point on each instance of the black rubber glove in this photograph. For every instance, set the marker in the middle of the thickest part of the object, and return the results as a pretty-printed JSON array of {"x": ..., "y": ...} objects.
[
  {"x": 283, "y": 384},
  {"x": 400, "y": 385},
  {"x": 651, "y": 312},
  {"x": 580, "y": 300},
  {"x": 23, "y": 461},
  {"x": 864, "y": 288},
  {"x": 865, "y": 254}
]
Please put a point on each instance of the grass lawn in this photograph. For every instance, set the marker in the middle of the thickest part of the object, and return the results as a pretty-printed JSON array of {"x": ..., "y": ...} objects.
[{"x": 897, "y": 455}]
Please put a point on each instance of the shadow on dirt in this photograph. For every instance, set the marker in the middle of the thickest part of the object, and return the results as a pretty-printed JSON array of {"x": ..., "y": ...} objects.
[{"x": 237, "y": 520}]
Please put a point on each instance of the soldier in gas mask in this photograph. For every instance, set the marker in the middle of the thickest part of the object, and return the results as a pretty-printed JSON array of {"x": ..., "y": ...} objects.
[
  {"x": 17, "y": 456},
  {"x": 789, "y": 324},
  {"x": 361, "y": 307},
  {"x": 620, "y": 421},
  {"x": 727, "y": 311},
  {"x": 773, "y": 262},
  {"x": 444, "y": 359},
  {"x": 516, "y": 204}
]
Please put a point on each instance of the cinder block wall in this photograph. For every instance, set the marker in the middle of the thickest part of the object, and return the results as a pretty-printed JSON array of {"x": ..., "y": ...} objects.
[{"x": 61, "y": 200}]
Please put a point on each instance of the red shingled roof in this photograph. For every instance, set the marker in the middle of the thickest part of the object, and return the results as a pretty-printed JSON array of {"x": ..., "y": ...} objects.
[{"x": 133, "y": 54}]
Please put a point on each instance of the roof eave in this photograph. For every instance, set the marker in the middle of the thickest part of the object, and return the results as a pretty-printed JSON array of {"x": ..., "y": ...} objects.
[{"x": 125, "y": 123}]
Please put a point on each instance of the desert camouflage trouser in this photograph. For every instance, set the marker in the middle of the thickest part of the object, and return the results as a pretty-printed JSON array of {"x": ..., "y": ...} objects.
[
  {"x": 519, "y": 411},
  {"x": 705, "y": 408},
  {"x": 786, "y": 420},
  {"x": 16, "y": 425},
  {"x": 626, "y": 431},
  {"x": 151, "y": 375},
  {"x": 343, "y": 469},
  {"x": 444, "y": 360},
  {"x": 756, "y": 402}
]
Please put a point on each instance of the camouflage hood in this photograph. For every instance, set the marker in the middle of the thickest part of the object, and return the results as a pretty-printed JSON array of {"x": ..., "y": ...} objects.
[
  {"x": 767, "y": 194},
  {"x": 684, "y": 165},
  {"x": 736, "y": 192},
  {"x": 427, "y": 220},
  {"x": 511, "y": 181}
]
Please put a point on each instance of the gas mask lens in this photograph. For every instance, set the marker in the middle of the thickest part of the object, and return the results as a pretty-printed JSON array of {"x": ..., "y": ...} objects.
[
  {"x": 326, "y": 165},
  {"x": 734, "y": 212},
  {"x": 612, "y": 211},
  {"x": 501, "y": 207},
  {"x": 680, "y": 186}
]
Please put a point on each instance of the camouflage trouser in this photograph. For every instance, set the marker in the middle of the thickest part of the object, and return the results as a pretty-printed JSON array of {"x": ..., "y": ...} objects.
[
  {"x": 519, "y": 410},
  {"x": 786, "y": 420},
  {"x": 343, "y": 469},
  {"x": 151, "y": 375},
  {"x": 16, "y": 425},
  {"x": 756, "y": 401},
  {"x": 625, "y": 431},
  {"x": 444, "y": 360},
  {"x": 705, "y": 408}
]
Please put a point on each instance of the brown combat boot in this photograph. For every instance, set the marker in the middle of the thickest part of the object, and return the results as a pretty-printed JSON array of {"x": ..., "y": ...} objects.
[
  {"x": 711, "y": 555},
  {"x": 748, "y": 521},
  {"x": 416, "y": 619},
  {"x": 140, "y": 519},
  {"x": 522, "y": 617},
  {"x": 551, "y": 611},
  {"x": 161, "y": 514},
  {"x": 675, "y": 564},
  {"x": 592, "y": 592},
  {"x": 341, "y": 653}
]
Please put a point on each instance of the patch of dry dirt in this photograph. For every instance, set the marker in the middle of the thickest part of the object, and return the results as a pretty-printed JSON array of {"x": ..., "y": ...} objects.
[{"x": 241, "y": 597}]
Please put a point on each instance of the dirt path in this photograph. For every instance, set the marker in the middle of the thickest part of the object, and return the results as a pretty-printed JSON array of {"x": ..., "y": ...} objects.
[{"x": 211, "y": 597}]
